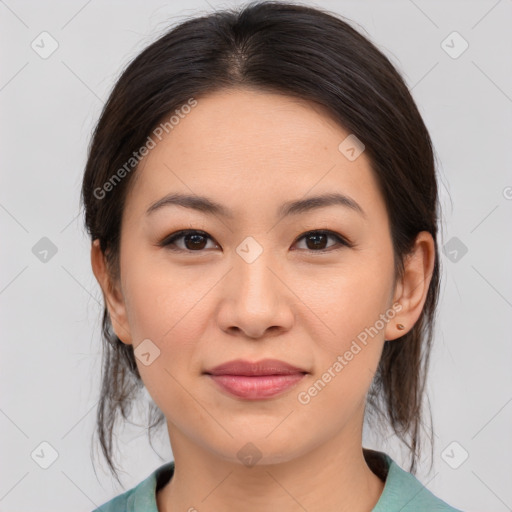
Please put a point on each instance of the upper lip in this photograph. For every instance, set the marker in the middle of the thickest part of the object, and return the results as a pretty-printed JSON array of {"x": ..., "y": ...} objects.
[{"x": 247, "y": 368}]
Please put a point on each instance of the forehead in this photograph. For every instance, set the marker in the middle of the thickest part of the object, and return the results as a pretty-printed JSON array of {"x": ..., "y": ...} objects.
[{"x": 241, "y": 146}]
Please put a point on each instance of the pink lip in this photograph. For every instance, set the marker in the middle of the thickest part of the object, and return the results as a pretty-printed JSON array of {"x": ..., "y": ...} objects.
[{"x": 258, "y": 380}]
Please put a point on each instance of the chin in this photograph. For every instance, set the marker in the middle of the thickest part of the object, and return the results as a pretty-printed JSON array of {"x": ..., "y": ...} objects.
[{"x": 258, "y": 449}]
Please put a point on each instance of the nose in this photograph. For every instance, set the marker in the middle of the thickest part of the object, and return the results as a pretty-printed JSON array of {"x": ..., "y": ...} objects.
[{"x": 256, "y": 302}]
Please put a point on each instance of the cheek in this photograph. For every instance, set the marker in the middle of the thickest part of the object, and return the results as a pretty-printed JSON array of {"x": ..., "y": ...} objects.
[
  {"x": 350, "y": 302},
  {"x": 169, "y": 308},
  {"x": 348, "y": 355},
  {"x": 353, "y": 308},
  {"x": 170, "y": 322},
  {"x": 166, "y": 303}
]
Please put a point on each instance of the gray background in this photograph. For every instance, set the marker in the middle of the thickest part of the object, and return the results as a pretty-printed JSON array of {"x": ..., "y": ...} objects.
[{"x": 50, "y": 303}]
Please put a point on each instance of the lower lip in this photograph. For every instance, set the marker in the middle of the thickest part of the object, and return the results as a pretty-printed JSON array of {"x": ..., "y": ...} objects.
[{"x": 257, "y": 387}]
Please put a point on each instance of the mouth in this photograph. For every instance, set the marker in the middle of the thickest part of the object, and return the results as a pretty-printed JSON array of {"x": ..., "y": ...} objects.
[{"x": 256, "y": 380}]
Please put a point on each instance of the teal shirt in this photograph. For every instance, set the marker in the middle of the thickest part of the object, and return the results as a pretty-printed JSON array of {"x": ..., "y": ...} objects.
[{"x": 402, "y": 491}]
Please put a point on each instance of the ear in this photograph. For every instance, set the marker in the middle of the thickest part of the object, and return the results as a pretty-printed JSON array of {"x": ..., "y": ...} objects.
[
  {"x": 112, "y": 294},
  {"x": 412, "y": 289}
]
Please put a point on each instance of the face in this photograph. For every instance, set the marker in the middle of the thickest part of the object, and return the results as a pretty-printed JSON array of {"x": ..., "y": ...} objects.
[{"x": 311, "y": 287}]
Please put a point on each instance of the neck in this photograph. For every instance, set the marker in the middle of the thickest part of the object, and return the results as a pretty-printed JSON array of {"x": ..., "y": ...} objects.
[{"x": 332, "y": 477}]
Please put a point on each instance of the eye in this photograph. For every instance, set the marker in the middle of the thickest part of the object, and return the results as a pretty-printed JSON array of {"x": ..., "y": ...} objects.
[
  {"x": 315, "y": 240},
  {"x": 195, "y": 240}
]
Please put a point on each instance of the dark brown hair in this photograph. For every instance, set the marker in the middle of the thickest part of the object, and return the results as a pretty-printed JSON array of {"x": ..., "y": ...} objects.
[{"x": 303, "y": 52}]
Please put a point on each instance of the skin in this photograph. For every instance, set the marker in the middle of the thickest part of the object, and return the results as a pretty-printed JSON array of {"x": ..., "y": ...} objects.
[{"x": 252, "y": 151}]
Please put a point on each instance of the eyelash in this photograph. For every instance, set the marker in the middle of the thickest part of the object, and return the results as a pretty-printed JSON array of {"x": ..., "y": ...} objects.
[{"x": 169, "y": 240}]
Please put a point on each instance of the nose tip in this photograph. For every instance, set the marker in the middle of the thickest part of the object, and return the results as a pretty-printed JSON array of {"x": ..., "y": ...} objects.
[{"x": 256, "y": 304}]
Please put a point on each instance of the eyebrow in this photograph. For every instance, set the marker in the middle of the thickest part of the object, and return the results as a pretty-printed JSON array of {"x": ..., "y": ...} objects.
[{"x": 208, "y": 206}]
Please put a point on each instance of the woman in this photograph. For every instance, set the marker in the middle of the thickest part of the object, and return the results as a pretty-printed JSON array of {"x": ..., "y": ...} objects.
[{"x": 262, "y": 203}]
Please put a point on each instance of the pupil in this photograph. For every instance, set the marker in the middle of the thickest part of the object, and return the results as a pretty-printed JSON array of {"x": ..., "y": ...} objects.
[
  {"x": 316, "y": 244},
  {"x": 196, "y": 241}
]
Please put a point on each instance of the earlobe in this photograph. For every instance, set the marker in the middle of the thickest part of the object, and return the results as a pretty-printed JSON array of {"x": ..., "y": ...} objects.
[
  {"x": 413, "y": 288},
  {"x": 111, "y": 294}
]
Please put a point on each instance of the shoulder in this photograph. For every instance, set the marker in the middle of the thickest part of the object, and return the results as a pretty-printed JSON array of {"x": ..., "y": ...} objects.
[
  {"x": 117, "y": 504},
  {"x": 143, "y": 495},
  {"x": 404, "y": 492}
]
